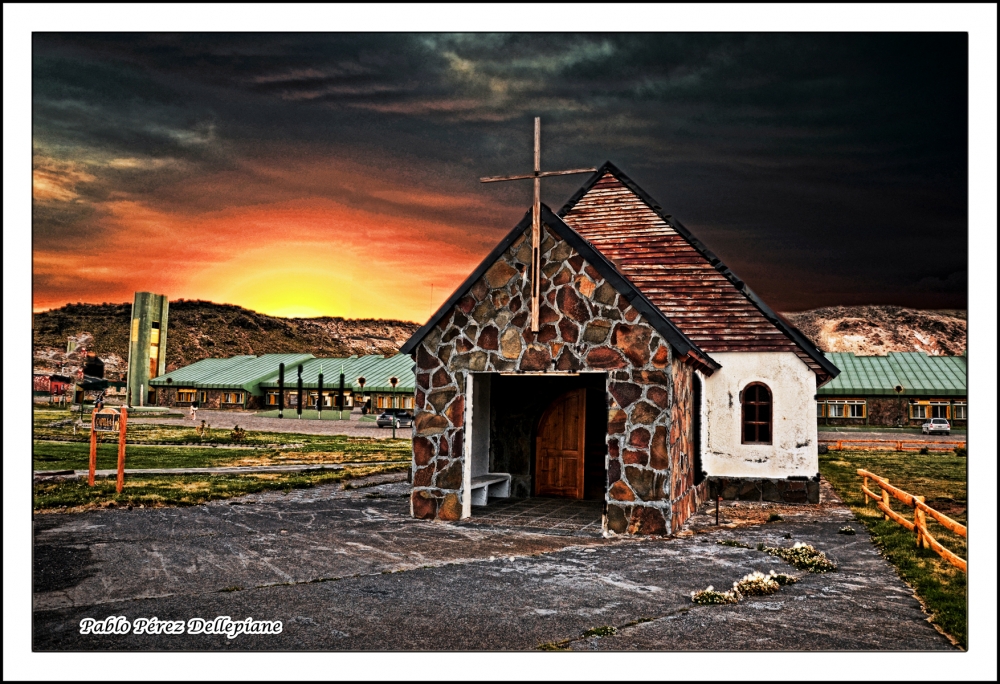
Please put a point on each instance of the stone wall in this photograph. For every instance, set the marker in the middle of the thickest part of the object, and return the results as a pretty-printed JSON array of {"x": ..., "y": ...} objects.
[
  {"x": 167, "y": 396},
  {"x": 800, "y": 490},
  {"x": 585, "y": 325}
]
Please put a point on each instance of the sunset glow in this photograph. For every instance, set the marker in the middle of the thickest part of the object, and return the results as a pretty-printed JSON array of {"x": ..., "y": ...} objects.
[{"x": 337, "y": 174}]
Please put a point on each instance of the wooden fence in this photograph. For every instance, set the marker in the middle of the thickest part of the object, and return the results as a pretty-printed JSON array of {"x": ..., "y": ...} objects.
[
  {"x": 920, "y": 513},
  {"x": 890, "y": 444}
]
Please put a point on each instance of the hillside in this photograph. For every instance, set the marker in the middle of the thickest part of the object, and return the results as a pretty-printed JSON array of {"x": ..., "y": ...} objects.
[
  {"x": 870, "y": 330},
  {"x": 199, "y": 329}
]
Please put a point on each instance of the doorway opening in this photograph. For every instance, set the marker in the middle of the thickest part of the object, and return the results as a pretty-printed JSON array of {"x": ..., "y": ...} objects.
[{"x": 511, "y": 415}]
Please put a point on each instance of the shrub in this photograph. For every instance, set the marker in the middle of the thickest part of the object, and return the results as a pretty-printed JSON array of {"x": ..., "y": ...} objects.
[
  {"x": 961, "y": 452},
  {"x": 710, "y": 596},
  {"x": 238, "y": 434},
  {"x": 774, "y": 517},
  {"x": 846, "y": 529},
  {"x": 801, "y": 556}
]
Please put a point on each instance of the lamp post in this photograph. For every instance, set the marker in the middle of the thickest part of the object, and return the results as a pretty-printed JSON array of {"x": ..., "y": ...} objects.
[
  {"x": 319, "y": 397},
  {"x": 298, "y": 398},
  {"x": 361, "y": 384},
  {"x": 281, "y": 390},
  {"x": 395, "y": 419}
]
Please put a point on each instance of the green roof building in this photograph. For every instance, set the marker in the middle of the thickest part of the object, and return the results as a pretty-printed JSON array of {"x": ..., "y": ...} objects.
[
  {"x": 900, "y": 388},
  {"x": 251, "y": 382}
]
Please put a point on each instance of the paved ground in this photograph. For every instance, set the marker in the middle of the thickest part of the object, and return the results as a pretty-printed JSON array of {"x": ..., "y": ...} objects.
[
  {"x": 955, "y": 436},
  {"x": 350, "y": 570},
  {"x": 227, "y": 420}
]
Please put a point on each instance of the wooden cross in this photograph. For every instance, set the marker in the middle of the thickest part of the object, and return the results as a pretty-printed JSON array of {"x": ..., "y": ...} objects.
[{"x": 536, "y": 209}]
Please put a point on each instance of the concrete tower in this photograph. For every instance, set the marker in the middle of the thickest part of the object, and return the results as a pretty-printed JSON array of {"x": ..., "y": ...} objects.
[{"x": 147, "y": 349}]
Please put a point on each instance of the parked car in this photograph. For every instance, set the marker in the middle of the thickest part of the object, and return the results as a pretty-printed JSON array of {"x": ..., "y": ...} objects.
[
  {"x": 936, "y": 425},
  {"x": 401, "y": 418}
]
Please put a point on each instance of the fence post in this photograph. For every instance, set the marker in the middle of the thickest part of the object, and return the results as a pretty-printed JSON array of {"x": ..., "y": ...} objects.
[
  {"x": 919, "y": 522},
  {"x": 93, "y": 449},
  {"x": 885, "y": 500},
  {"x": 840, "y": 445},
  {"x": 863, "y": 488}
]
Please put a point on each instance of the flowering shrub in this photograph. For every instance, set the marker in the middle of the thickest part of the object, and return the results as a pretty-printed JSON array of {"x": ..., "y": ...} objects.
[
  {"x": 710, "y": 597},
  {"x": 846, "y": 529},
  {"x": 754, "y": 584},
  {"x": 802, "y": 556}
]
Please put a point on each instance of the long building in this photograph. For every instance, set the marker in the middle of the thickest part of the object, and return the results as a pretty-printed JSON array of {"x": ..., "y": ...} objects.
[
  {"x": 898, "y": 389},
  {"x": 252, "y": 382}
]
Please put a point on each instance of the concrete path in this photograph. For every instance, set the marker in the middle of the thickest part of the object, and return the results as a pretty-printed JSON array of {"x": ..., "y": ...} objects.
[
  {"x": 955, "y": 436},
  {"x": 350, "y": 570},
  {"x": 227, "y": 420}
]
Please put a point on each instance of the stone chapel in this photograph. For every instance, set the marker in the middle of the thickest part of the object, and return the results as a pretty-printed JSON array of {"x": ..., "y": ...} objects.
[{"x": 656, "y": 379}]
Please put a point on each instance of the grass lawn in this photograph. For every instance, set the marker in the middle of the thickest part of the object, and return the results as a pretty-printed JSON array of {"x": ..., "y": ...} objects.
[
  {"x": 307, "y": 414},
  {"x": 72, "y": 496},
  {"x": 333, "y": 449},
  {"x": 941, "y": 478}
]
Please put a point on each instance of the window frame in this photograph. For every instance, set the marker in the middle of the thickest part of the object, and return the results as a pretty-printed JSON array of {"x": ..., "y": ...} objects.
[
  {"x": 240, "y": 396},
  {"x": 849, "y": 408},
  {"x": 743, "y": 415},
  {"x": 189, "y": 393},
  {"x": 963, "y": 407}
]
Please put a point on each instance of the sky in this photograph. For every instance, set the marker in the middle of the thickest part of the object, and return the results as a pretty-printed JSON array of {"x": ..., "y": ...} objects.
[{"x": 306, "y": 174}]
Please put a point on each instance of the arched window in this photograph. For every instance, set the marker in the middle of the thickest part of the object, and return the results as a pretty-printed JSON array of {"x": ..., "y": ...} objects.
[{"x": 756, "y": 401}]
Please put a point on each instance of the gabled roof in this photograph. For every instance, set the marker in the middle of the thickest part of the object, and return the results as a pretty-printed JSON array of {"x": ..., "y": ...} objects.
[
  {"x": 238, "y": 372},
  {"x": 916, "y": 372},
  {"x": 376, "y": 370},
  {"x": 678, "y": 274},
  {"x": 663, "y": 325}
]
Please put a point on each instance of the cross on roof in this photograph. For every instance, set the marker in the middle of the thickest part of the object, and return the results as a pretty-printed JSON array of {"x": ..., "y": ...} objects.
[{"x": 536, "y": 207}]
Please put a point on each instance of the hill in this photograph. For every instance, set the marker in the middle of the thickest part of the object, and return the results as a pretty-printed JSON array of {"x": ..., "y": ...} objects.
[
  {"x": 871, "y": 330},
  {"x": 200, "y": 329}
]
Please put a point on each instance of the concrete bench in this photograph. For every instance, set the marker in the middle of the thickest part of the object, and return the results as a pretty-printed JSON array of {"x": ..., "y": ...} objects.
[{"x": 490, "y": 484}]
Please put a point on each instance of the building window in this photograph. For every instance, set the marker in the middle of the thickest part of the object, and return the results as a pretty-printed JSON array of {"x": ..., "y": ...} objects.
[
  {"x": 202, "y": 397},
  {"x": 960, "y": 411},
  {"x": 939, "y": 409},
  {"x": 232, "y": 397},
  {"x": 185, "y": 395},
  {"x": 272, "y": 398},
  {"x": 408, "y": 403},
  {"x": 820, "y": 412},
  {"x": 920, "y": 411},
  {"x": 849, "y": 408},
  {"x": 756, "y": 401}
]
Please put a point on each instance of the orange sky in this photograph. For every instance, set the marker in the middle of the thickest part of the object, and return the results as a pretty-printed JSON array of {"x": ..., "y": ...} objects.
[{"x": 310, "y": 256}]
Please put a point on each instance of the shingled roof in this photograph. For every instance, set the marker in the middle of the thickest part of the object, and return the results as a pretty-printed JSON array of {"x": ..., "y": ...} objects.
[
  {"x": 688, "y": 283},
  {"x": 671, "y": 333}
]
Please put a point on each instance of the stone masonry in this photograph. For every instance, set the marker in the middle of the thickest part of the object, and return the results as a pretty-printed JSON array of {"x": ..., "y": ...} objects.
[{"x": 584, "y": 325}]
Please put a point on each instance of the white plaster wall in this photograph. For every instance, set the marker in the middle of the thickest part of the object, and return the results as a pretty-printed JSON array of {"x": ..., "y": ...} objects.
[{"x": 793, "y": 448}]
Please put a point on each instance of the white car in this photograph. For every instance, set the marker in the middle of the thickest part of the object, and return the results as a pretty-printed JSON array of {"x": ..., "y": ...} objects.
[{"x": 936, "y": 425}]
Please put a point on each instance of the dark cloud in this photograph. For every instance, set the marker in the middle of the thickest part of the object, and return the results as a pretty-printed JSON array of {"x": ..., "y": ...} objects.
[{"x": 819, "y": 165}]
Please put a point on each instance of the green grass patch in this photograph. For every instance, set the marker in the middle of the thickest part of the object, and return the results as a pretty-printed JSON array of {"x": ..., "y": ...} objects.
[
  {"x": 76, "y": 455},
  {"x": 941, "y": 478},
  {"x": 307, "y": 414},
  {"x": 182, "y": 490}
]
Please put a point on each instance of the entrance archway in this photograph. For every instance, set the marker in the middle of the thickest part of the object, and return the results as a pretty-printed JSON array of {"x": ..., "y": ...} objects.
[{"x": 560, "y": 447}]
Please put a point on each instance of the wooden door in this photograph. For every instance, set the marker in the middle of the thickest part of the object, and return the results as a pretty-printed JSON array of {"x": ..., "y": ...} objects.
[{"x": 559, "y": 447}]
